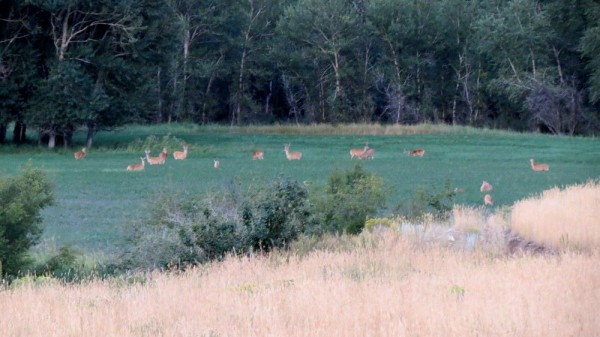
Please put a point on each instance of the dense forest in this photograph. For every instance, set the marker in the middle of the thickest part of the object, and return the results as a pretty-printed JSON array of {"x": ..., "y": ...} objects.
[{"x": 67, "y": 65}]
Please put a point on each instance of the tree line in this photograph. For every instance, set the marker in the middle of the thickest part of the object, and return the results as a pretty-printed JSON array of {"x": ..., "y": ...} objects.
[{"x": 97, "y": 64}]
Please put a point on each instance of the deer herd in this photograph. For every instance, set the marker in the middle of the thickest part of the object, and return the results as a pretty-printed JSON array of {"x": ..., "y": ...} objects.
[{"x": 365, "y": 153}]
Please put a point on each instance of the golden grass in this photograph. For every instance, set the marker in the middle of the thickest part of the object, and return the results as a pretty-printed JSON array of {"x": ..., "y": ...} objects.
[
  {"x": 354, "y": 129},
  {"x": 388, "y": 282},
  {"x": 394, "y": 286},
  {"x": 561, "y": 218}
]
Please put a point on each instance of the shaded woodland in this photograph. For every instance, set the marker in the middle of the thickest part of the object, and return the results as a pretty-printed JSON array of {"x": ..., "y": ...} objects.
[{"x": 65, "y": 65}]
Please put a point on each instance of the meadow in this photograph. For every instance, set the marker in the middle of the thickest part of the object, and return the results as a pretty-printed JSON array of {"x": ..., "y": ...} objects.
[
  {"x": 381, "y": 283},
  {"x": 97, "y": 198}
]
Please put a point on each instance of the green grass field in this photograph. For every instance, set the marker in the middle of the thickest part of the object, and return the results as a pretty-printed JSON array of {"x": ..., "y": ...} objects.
[{"x": 97, "y": 197}]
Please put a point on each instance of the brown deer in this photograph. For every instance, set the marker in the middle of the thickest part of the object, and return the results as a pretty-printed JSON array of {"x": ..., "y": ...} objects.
[
  {"x": 136, "y": 167},
  {"x": 487, "y": 200},
  {"x": 80, "y": 154},
  {"x": 357, "y": 152},
  {"x": 291, "y": 155},
  {"x": 258, "y": 155},
  {"x": 486, "y": 187},
  {"x": 154, "y": 160},
  {"x": 367, "y": 154},
  {"x": 538, "y": 167},
  {"x": 181, "y": 155},
  {"x": 416, "y": 152},
  {"x": 164, "y": 155}
]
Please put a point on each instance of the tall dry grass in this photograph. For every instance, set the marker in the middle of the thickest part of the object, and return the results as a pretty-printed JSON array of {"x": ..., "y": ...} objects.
[
  {"x": 356, "y": 129},
  {"x": 391, "y": 285},
  {"x": 561, "y": 218}
]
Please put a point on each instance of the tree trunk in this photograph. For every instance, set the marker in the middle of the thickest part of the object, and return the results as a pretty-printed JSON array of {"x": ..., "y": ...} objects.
[
  {"x": 90, "y": 134},
  {"x": 19, "y": 133},
  {"x": 51, "y": 139},
  {"x": 2, "y": 133}
]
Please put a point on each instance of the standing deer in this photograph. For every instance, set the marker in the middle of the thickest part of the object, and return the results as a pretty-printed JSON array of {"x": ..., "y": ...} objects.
[
  {"x": 258, "y": 155},
  {"x": 154, "y": 160},
  {"x": 80, "y": 154},
  {"x": 486, "y": 187},
  {"x": 164, "y": 155},
  {"x": 181, "y": 155},
  {"x": 216, "y": 164},
  {"x": 291, "y": 155},
  {"x": 487, "y": 200},
  {"x": 136, "y": 167},
  {"x": 367, "y": 154},
  {"x": 539, "y": 167},
  {"x": 357, "y": 152}
]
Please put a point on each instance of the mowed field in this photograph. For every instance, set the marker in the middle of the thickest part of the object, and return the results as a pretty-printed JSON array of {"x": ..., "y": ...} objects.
[{"x": 97, "y": 198}]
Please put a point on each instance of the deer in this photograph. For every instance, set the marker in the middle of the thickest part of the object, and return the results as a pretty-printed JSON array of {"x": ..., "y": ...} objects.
[
  {"x": 164, "y": 155},
  {"x": 155, "y": 160},
  {"x": 181, "y": 155},
  {"x": 487, "y": 200},
  {"x": 539, "y": 167},
  {"x": 291, "y": 155},
  {"x": 136, "y": 167},
  {"x": 486, "y": 187},
  {"x": 416, "y": 152},
  {"x": 367, "y": 154},
  {"x": 80, "y": 154},
  {"x": 258, "y": 155},
  {"x": 216, "y": 164},
  {"x": 357, "y": 152}
]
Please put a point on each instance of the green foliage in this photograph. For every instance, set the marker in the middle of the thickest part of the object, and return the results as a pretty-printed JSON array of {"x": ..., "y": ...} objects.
[
  {"x": 156, "y": 144},
  {"x": 185, "y": 230},
  {"x": 277, "y": 214},
  {"x": 63, "y": 266},
  {"x": 21, "y": 200},
  {"x": 436, "y": 201},
  {"x": 349, "y": 198}
]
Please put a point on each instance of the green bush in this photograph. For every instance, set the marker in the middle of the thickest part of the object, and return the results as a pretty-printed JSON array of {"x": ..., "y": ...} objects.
[
  {"x": 184, "y": 230},
  {"x": 349, "y": 198},
  {"x": 435, "y": 201},
  {"x": 21, "y": 200},
  {"x": 277, "y": 214},
  {"x": 64, "y": 266}
]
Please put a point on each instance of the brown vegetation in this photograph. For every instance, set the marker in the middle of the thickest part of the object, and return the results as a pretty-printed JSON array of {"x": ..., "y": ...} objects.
[{"x": 407, "y": 280}]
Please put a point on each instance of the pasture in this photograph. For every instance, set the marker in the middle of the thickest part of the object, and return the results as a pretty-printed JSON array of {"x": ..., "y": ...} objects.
[{"x": 96, "y": 197}]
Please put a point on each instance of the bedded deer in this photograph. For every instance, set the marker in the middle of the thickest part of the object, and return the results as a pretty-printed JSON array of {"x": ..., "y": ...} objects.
[
  {"x": 487, "y": 200},
  {"x": 538, "y": 167},
  {"x": 258, "y": 155},
  {"x": 357, "y": 152},
  {"x": 155, "y": 160},
  {"x": 181, "y": 155},
  {"x": 80, "y": 154},
  {"x": 136, "y": 167},
  {"x": 291, "y": 155},
  {"x": 367, "y": 154},
  {"x": 416, "y": 152},
  {"x": 486, "y": 187}
]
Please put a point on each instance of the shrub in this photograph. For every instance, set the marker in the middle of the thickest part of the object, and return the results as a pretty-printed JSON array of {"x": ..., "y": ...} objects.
[
  {"x": 435, "y": 201},
  {"x": 277, "y": 215},
  {"x": 21, "y": 200},
  {"x": 349, "y": 198},
  {"x": 184, "y": 230}
]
